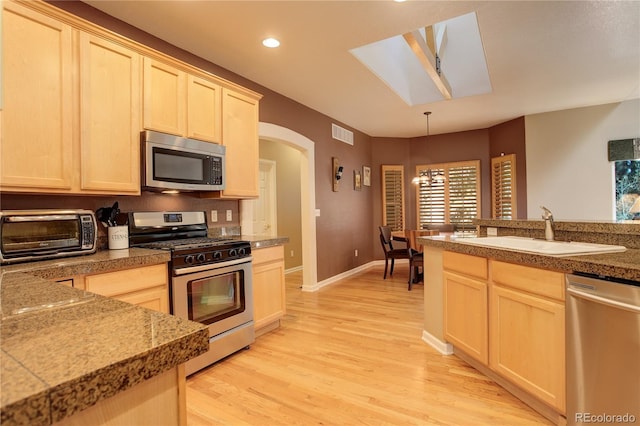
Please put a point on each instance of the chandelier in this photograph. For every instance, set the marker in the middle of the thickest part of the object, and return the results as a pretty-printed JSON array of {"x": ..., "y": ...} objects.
[{"x": 428, "y": 176}]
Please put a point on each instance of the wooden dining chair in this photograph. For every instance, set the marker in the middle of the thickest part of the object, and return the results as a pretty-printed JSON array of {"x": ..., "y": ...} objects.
[
  {"x": 416, "y": 257},
  {"x": 390, "y": 253}
]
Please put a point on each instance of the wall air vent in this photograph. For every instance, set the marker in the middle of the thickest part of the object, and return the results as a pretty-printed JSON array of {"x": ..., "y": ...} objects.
[
  {"x": 624, "y": 149},
  {"x": 341, "y": 134}
]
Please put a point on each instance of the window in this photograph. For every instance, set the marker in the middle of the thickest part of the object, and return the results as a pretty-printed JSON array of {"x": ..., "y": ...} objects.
[
  {"x": 503, "y": 187},
  {"x": 454, "y": 199},
  {"x": 393, "y": 197},
  {"x": 627, "y": 178}
]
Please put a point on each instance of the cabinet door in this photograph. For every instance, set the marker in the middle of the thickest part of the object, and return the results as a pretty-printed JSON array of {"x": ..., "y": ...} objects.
[
  {"x": 240, "y": 136},
  {"x": 269, "y": 303},
  {"x": 527, "y": 343},
  {"x": 145, "y": 286},
  {"x": 204, "y": 110},
  {"x": 155, "y": 298},
  {"x": 165, "y": 98},
  {"x": 110, "y": 116},
  {"x": 466, "y": 315},
  {"x": 37, "y": 72}
]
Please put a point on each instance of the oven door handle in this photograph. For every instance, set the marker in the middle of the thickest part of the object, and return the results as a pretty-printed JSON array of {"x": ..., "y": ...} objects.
[{"x": 211, "y": 266}]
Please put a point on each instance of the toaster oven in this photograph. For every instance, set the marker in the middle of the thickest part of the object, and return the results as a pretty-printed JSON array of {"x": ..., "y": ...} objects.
[{"x": 27, "y": 235}]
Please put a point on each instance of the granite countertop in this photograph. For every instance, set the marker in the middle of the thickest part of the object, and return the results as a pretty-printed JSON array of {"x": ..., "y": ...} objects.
[
  {"x": 64, "y": 349},
  {"x": 625, "y": 265},
  {"x": 101, "y": 261},
  {"x": 262, "y": 241}
]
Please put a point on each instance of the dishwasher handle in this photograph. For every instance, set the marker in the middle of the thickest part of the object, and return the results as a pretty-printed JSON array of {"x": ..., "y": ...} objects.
[{"x": 603, "y": 300}]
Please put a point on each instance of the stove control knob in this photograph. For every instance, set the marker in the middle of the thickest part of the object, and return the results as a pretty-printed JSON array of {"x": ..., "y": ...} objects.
[
  {"x": 233, "y": 252},
  {"x": 241, "y": 251},
  {"x": 217, "y": 255},
  {"x": 189, "y": 259},
  {"x": 201, "y": 257}
]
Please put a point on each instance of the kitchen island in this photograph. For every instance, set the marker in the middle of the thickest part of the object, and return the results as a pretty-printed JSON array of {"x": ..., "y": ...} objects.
[
  {"x": 503, "y": 310},
  {"x": 66, "y": 353}
]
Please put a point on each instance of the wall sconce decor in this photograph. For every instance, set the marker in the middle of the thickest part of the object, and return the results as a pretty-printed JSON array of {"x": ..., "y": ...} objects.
[
  {"x": 357, "y": 180},
  {"x": 366, "y": 175},
  {"x": 337, "y": 173}
]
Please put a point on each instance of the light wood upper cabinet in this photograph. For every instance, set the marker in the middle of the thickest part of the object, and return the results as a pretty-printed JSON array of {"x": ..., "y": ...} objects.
[
  {"x": 71, "y": 120},
  {"x": 37, "y": 72},
  {"x": 76, "y": 96},
  {"x": 110, "y": 116},
  {"x": 204, "y": 109},
  {"x": 165, "y": 98},
  {"x": 240, "y": 136},
  {"x": 269, "y": 300},
  {"x": 181, "y": 104}
]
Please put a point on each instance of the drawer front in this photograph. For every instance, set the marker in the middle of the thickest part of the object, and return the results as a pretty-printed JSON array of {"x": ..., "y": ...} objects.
[
  {"x": 532, "y": 280},
  {"x": 465, "y": 264},
  {"x": 267, "y": 254},
  {"x": 128, "y": 280}
]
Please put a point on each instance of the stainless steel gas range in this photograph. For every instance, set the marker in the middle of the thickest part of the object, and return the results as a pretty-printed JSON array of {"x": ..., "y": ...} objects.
[{"x": 210, "y": 278}]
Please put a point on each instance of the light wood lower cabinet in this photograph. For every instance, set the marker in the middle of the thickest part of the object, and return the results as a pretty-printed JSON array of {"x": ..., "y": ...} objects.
[
  {"x": 527, "y": 340},
  {"x": 269, "y": 299},
  {"x": 510, "y": 318},
  {"x": 160, "y": 400},
  {"x": 465, "y": 304},
  {"x": 146, "y": 286}
]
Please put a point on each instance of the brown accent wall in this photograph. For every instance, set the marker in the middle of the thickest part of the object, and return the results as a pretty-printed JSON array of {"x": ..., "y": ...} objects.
[
  {"x": 450, "y": 147},
  {"x": 345, "y": 221},
  {"x": 348, "y": 219},
  {"x": 509, "y": 138},
  {"x": 126, "y": 203}
]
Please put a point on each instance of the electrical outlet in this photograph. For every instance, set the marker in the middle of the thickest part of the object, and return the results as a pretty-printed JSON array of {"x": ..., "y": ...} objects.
[
  {"x": 291, "y": 253},
  {"x": 492, "y": 232},
  {"x": 356, "y": 253},
  {"x": 229, "y": 215},
  {"x": 214, "y": 215}
]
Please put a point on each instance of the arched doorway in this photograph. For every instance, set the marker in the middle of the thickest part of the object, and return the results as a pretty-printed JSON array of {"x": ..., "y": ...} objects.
[{"x": 303, "y": 144}]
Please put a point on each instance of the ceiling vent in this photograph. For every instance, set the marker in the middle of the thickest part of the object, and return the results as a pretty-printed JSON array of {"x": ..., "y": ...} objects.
[{"x": 341, "y": 134}]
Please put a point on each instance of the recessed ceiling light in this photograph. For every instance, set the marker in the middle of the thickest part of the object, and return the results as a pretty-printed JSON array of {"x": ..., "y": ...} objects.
[{"x": 270, "y": 42}]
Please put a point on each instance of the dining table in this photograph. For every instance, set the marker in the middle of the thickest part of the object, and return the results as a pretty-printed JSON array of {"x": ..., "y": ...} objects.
[{"x": 409, "y": 236}]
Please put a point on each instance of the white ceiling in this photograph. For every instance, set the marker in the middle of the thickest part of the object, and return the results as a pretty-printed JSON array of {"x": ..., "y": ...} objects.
[{"x": 541, "y": 55}]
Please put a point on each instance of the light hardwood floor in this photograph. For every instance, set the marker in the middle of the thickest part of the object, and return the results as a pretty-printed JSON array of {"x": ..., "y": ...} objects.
[{"x": 350, "y": 353}]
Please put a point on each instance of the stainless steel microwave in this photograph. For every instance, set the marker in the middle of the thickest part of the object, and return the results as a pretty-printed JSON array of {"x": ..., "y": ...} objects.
[
  {"x": 172, "y": 163},
  {"x": 27, "y": 235}
]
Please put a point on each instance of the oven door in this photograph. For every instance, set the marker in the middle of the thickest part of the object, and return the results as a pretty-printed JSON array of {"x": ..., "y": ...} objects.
[{"x": 218, "y": 295}]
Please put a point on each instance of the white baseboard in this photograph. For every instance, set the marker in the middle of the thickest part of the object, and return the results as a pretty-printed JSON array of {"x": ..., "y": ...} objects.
[
  {"x": 443, "y": 347},
  {"x": 342, "y": 276},
  {"x": 294, "y": 269}
]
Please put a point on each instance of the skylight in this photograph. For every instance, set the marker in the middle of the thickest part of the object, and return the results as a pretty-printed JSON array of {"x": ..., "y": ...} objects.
[{"x": 462, "y": 67}]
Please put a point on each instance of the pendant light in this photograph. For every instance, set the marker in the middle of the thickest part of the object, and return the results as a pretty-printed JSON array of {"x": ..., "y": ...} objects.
[{"x": 428, "y": 176}]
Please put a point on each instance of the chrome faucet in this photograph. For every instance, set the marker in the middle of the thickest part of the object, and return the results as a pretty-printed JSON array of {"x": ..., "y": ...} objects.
[{"x": 548, "y": 223}]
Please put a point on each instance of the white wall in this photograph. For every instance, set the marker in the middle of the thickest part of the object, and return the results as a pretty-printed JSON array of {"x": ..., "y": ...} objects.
[{"x": 567, "y": 166}]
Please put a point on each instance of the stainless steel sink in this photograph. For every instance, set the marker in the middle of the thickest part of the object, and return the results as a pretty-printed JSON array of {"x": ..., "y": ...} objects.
[{"x": 549, "y": 248}]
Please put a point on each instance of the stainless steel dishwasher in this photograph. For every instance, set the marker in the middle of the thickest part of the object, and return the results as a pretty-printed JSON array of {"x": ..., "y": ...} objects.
[{"x": 603, "y": 350}]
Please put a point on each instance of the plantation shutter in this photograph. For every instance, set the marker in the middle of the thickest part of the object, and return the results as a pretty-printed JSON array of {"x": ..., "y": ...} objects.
[
  {"x": 393, "y": 197},
  {"x": 503, "y": 187},
  {"x": 454, "y": 200},
  {"x": 432, "y": 201},
  {"x": 464, "y": 190}
]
